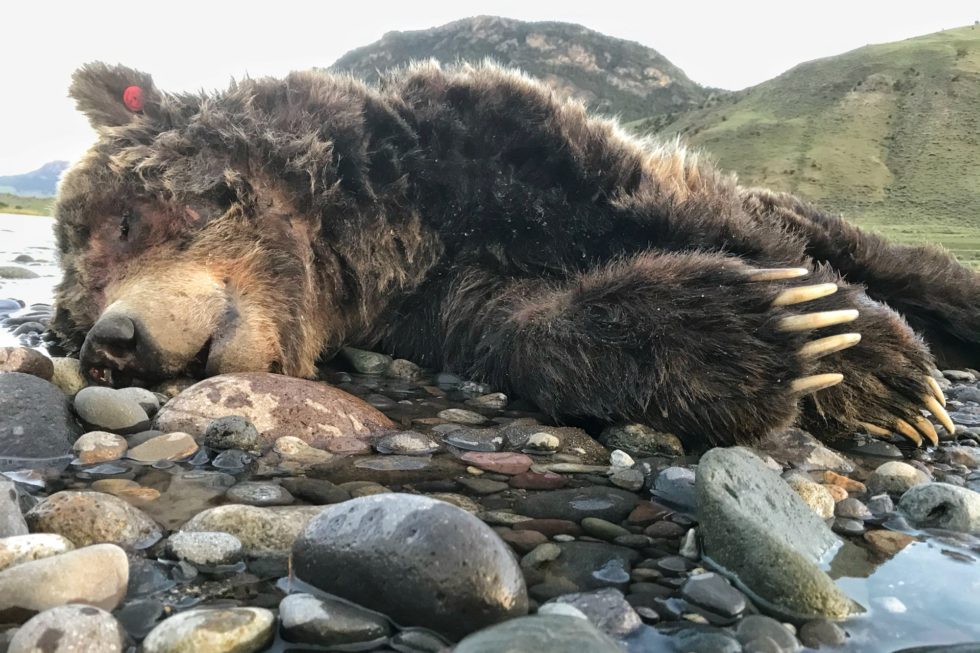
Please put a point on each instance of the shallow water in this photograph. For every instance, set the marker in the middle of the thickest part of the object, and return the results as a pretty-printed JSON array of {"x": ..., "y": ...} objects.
[{"x": 926, "y": 594}]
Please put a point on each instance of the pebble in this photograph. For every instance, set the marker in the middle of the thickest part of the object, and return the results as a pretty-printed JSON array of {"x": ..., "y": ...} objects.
[
  {"x": 628, "y": 479},
  {"x": 611, "y": 504},
  {"x": 580, "y": 567},
  {"x": 756, "y": 527},
  {"x": 147, "y": 400},
  {"x": 501, "y": 463},
  {"x": 713, "y": 592},
  {"x": 206, "y": 549},
  {"x": 356, "y": 548},
  {"x": 474, "y": 439},
  {"x": 550, "y": 527},
  {"x": 315, "y": 490},
  {"x": 15, "y": 549},
  {"x": 257, "y": 493},
  {"x": 822, "y": 632},
  {"x": 941, "y": 505},
  {"x": 11, "y": 520},
  {"x": 757, "y": 628},
  {"x": 538, "y": 481},
  {"x": 276, "y": 405},
  {"x": 233, "y": 432},
  {"x": 969, "y": 457},
  {"x": 215, "y": 630},
  {"x": 99, "y": 447},
  {"x": 675, "y": 487},
  {"x": 27, "y": 361},
  {"x": 95, "y": 575},
  {"x": 888, "y": 543},
  {"x": 607, "y": 610},
  {"x": 93, "y": 518},
  {"x": 297, "y": 451},
  {"x": 170, "y": 446},
  {"x": 262, "y": 531},
  {"x": 71, "y": 628},
  {"x": 522, "y": 541},
  {"x": 492, "y": 401},
  {"x": 462, "y": 416},
  {"x": 541, "y": 634},
  {"x": 35, "y": 418},
  {"x": 845, "y": 526},
  {"x": 881, "y": 504},
  {"x": 833, "y": 478},
  {"x": 403, "y": 369},
  {"x": 407, "y": 443},
  {"x": 366, "y": 362},
  {"x": 814, "y": 495},
  {"x": 795, "y": 447},
  {"x": 67, "y": 375},
  {"x": 641, "y": 440},
  {"x": 960, "y": 376},
  {"x": 852, "y": 509},
  {"x": 895, "y": 477},
  {"x": 542, "y": 442},
  {"x": 603, "y": 529},
  {"x": 109, "y": 410},
  {"x": 329, "y": 622}
]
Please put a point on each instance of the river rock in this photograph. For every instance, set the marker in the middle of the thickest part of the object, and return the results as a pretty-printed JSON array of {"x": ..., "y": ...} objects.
[
  {"x": 11, "y": 520},
  {"x": 277, "y": 405},
  {"x": 205, "y": 549},
  {"x": 71, "y": 628},
  {"x": 215, "y": 630},
  {"x": 576, "y": 504},
  {"x": 93, "y": 518},
  {"x": 418, "y": 560},
  {"x": 262, "y": 531},
  {"x": 607, "y": 609},
  {"x": 895, "y": 477},
  {"x": 170, "y": 446},
  {"x": 110, "y": 410},
  {"x": 366, "y": 362},
  {"x": 941, "y": 505},
  {"x": 146, "y": 399},
  {"x": 35, "y": 418},
  {"x": 27, "y": 361},
  {"x": 815, "y": 495},
  {"x": 233, "y": 432},
  {"x": 388, "y": 470},
  {"x": 67, "y": 375},
  {"x": 578, "y": 567},
  {"x": 329, "y": 622},
  {"x": 755, "y": 527},
  {"x": 641, "y": 440},
  {"x": 259, "y": 493},
  {"x": 99, "y": 447},
  {"x": 17, "y": 272},
  {"x": 797, "y": 448},
  {"x": 545, "y": 633},
  {"x": 33, "y": 546},
  {"x": 95, "y": 575}
]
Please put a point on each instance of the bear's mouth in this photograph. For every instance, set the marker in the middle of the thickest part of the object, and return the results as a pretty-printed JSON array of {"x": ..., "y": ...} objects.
[{"x": 198, "y": 366}]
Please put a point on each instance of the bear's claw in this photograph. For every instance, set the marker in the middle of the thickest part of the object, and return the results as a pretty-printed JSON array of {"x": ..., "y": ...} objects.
[
  {"x": 915, "y": 427},
  {"x": 829, "y": 345},
  {"x": 808, "y": 321},
  {"x": 808, "y": 384},
  {"x": 776, "y": 274},
  {"x": 802, "y": 294},
  {"x": 936, "y": 390}
]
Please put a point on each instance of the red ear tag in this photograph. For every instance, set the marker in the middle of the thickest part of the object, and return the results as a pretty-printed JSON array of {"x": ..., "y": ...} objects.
[{"x": 133, "y": 98}]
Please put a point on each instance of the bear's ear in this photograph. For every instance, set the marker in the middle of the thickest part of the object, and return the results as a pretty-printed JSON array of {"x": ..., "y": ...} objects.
[{"x": 113, "y": 95}]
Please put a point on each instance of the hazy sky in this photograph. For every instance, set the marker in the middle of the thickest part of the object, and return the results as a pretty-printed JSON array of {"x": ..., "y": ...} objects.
[{"x": 192, "y": 44}]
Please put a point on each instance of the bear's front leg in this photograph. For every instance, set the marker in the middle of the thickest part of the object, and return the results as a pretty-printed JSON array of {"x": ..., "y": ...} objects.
[{"x": 702, "y": 345}]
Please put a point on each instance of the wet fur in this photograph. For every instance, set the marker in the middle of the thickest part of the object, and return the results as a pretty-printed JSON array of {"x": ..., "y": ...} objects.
[{"x": 471, "y": 220}]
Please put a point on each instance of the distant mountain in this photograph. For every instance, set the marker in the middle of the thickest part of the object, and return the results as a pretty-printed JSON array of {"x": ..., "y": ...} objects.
[
  {"x": 611, "y": 75},
  {"x": 887, "y": 134},
  {"x": 40, "y": 183}
]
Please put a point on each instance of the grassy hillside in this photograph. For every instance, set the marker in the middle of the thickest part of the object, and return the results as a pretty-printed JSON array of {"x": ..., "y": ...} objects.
[
  {"x": 888, "y": 135},
  {"x": 25, "y": 205}
]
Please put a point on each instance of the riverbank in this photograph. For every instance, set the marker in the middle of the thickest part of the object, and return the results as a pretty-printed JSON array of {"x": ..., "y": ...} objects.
[{"x": 21, "y": 205}]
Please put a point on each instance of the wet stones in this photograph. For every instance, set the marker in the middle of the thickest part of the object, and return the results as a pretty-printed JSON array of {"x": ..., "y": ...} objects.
[
  {"x": 542, "y": 634},
  {"x": 232, "y": 432},
  {"x": 11, "y": 520},
  {"x": 757, "y": 528},
  {"x": 641, "y": 440},
  {"x": 72, "y": 628},
  {"x": 814, "y": 495},
  {"x": 941, "y": 505},
  {"x": 16, "y": 549},
  {"x": 895, "y": 477},
  {"x": 462, "y": 416},
  {"x": 610, "y": 504},
  {"x": 169, "y": 446},
  {"x": 223, "y": 630},
  {"x": 366, "y": 362},
  {"x": 99, "y": 446},
  {"x": 714, "y": 593},
  {"x": 110, "y": 410},
  {"x": 67, "y": 375},
  {"x": 256, "y": 493},
  {"x": 277, "y": 405},
  {"x": 329, "y": 622},
  {"x": 94, "y": 575},
  {"x": 501, "y": 463},
  {"x": 204, "y": 548},
  {"x": 577, "y": 567},
  {"x": 26, "y": 361},
  {"x": 606, "y": 609},
  {"x": 92, "y": 518},
  {"x": 35, "y": 418},
  {"x": 421, "y": 561},
  {"x": 406, "y": 443},
  {"x": 262, "y": 531}
]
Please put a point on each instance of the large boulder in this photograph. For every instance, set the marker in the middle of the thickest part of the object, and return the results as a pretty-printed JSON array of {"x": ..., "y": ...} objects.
[
  {"x": 755, "y": 528},
  {"x": 35, "y": 418},
  {"x": 277, "y": 405},
  {"x": 420, "y": 561}
]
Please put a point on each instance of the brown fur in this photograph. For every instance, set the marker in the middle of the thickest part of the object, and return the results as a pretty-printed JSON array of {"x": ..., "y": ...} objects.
[{"x": 472, "y": 220}]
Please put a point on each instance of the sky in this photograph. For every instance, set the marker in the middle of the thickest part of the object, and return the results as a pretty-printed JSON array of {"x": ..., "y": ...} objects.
[{"x": 193, "y": 44}]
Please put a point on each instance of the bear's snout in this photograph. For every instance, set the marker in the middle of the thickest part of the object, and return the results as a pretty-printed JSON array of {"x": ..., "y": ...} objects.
[{"x": 118, "y": 352}]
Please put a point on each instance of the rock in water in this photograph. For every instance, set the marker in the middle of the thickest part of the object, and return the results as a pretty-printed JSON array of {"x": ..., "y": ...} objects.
[
  {"x": 70, "y": 629},
  {"x": 757, "y": 529},
  {"x": 941, "y": 505},
  {"x": 35, "y": 418},
  {"x": 277, "y": 406},
  {"x": 541, "y": 634},
  {"x": 95, "y": 575},
  {"x": 93, "y": 518},
  {"x": 110, "y": 410},
  {"x": 329, "y": 622},
  {"x": 420, "y": 561},
  {"x": 227, "y": 630},
  {"x": 262, "y": 531}
]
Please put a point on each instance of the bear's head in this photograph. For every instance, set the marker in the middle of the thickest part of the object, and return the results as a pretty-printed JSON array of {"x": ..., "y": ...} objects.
[{"x": 182, "y": 251}]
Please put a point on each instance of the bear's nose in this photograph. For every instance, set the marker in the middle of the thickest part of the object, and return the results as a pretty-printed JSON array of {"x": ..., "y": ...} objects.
[{"x": 110, "y": 345}]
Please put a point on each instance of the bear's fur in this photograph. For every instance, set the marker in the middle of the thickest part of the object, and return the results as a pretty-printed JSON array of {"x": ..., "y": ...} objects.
[{"x": 471, "y": 220}]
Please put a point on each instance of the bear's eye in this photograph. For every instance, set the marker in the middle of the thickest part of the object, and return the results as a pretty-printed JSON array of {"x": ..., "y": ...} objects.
[{"x": 124, "y": 225}]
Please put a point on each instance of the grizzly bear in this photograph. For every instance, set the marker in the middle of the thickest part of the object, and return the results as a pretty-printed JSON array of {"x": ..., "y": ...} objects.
[{"x": 471, "y": 220}]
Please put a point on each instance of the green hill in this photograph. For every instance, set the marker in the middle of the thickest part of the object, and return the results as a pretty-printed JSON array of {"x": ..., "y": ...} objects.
[
  {"x": 888, "y": 135},
  {"x": 26, "y": 205}
]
